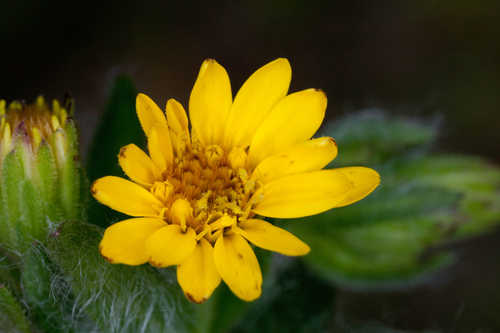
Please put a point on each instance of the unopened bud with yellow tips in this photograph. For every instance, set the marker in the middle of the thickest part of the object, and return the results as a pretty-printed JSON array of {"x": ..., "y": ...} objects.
[{"x": 40, "y": 176}]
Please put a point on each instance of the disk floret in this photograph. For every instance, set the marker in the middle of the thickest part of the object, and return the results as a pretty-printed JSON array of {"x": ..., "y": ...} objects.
[{"x": 212, "y": 182}]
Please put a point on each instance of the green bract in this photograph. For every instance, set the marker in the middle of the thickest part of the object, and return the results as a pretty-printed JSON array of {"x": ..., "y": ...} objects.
[{"x": 39, "y": 171}]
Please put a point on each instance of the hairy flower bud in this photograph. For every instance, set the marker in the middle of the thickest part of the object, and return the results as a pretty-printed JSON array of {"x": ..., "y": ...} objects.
[{"x": 39, "y": 170}]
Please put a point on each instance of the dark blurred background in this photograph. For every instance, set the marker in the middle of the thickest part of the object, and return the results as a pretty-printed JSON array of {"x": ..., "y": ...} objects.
[{"x": 424, "y": 59}]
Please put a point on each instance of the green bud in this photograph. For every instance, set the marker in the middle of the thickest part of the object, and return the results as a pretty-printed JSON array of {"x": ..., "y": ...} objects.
[{"x": 40, "y": 174}]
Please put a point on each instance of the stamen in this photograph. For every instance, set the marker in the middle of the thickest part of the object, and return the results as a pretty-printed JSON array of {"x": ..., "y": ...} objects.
[
  {"x": 37, "y": 137},
  {"x": 55, "y": 122},
  {"x": 181, "y": 213},
  {"x": 206, "y": 189},
  {"x": 237, "y": 158},
  {"x": 214, "y": 155},
  {"x": 162, "y": 190}
]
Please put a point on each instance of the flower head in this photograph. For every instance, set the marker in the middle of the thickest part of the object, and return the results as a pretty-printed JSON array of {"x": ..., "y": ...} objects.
[
  {"x": 31, "y": 124},
  {"x": 196, "y": 199},
  {"x": 39, "y": 171}
]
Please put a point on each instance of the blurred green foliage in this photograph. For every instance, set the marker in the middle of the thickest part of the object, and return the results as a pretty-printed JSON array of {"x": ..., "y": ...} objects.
[
  {"x": 118, "y": 127},
  {"x": 294, "y": 299},
  {"x": 425, "y": 200},
  {"x": 12, "y": 316}
]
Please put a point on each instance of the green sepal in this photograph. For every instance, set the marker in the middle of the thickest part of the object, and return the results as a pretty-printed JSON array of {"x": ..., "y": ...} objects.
[
  {"x": 12, "y": 316},
  {"x": 48, "y": 182},
  {"x": 12, "y": 182},
  {"x": 23, "y": 204},
  {"x": 70, "y": 178},
  {"x": 34, "y": 225}
]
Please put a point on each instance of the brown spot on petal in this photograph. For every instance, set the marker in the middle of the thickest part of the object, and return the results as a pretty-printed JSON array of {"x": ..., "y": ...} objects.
[
  {"x": 92, "y": 189},
  {"x": 192, "y": 299},
  {"x": 111, "y": 261},
  {"x": 332, "y": 140},
  {"x": 156, "y": 264},
  {"x": 320, "y": 91},
  {"x": 122, "y": 152},
  {"x": 108, "y": 259}
]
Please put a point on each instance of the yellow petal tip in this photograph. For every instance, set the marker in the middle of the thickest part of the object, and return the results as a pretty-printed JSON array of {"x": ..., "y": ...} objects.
[
  {"x": 206, "y": 63},
  {"x": 283, "y": 61}
]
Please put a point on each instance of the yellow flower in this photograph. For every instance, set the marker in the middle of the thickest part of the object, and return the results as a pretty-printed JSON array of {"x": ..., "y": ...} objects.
[{"x": 198, "y": 196}]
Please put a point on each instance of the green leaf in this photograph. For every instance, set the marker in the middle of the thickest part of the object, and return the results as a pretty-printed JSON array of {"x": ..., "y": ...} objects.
[
  {"x": 224, "y": 309},
  {"x": 12, "y": 316},
  {"x": 119, "y": 126},
  {"x": 293, "y": 300},
  {"x": 118, "y": 298},
  {"x": 424, "y": 201},
  {"x": 379, "y": 241},
  {"x": 477, "y": 182},
  {"x": 9, "y": 273},
  {"x": 372, "y": 137},
  {"x": 50, "y": 307},
  {"x": 462, "y": 173}
]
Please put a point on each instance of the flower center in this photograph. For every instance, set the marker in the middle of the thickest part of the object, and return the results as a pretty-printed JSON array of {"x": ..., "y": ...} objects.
[
  {"x": 204, "y": 185},
  {"x": 36, "y": 121}
]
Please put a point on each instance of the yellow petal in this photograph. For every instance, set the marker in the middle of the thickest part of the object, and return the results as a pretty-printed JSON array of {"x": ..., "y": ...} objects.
[
  {"x": 160, "y": 147},
  {"x": 254, "y": 101},
  {"x": 148, "y": 113},
  {"x": 126, "y": 197},
  {"x": 197, "y": 275},
  {"x": 238, "y": 266},
  {"x": 209, "y": 102},
  {"x": 269, "y": 237},
  {"x": 365, "y": 180},
  {"x": 125, "y": 242},
  {"x": 170, "y": 246},
  {"x": 137, "y": 165},
  {"x": 178, "y": 123},
  {"x": 307, "y": 156},
  {"x": 294, "y": 119},
  {"x": 303, "y": 194},
  {"x": 176, "y": 117}
]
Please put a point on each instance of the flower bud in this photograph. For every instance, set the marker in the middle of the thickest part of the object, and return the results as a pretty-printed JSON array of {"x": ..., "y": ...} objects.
[{"x": 39, "y": 171}]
